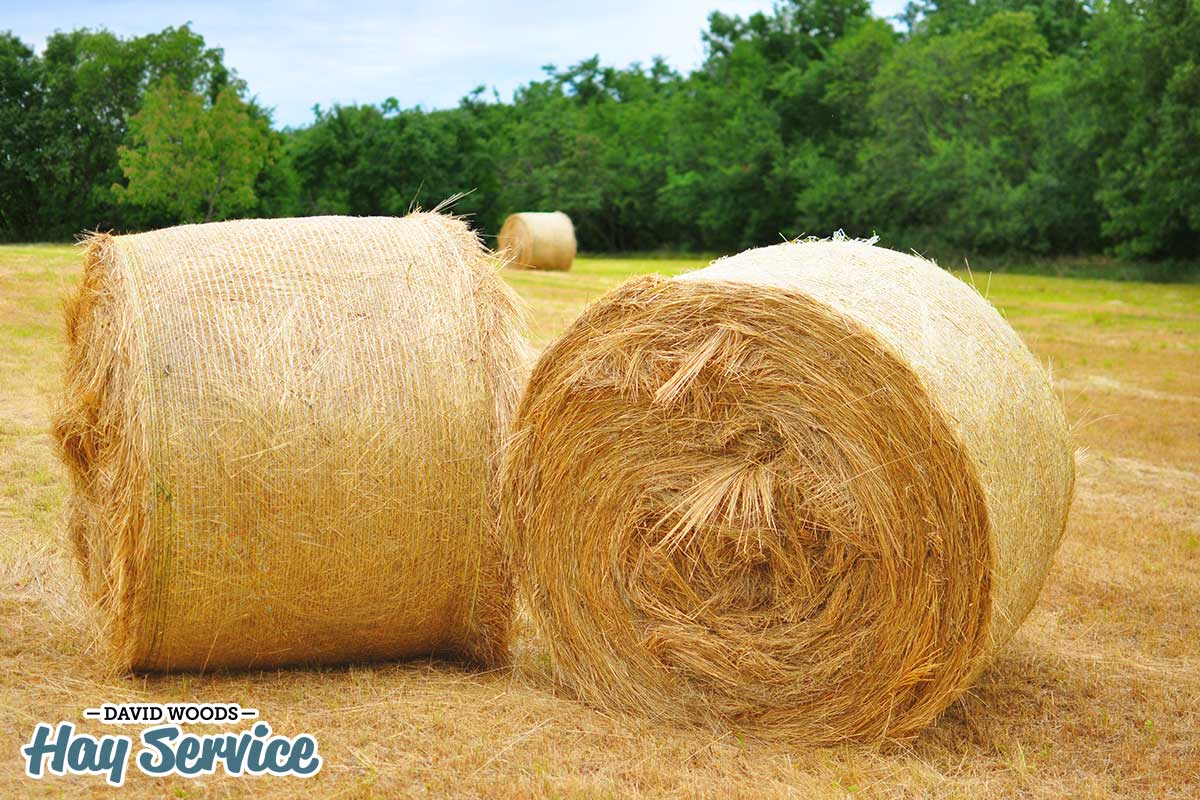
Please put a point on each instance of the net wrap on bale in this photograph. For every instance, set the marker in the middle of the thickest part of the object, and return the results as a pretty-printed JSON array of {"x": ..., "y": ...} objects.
[
  {"x": 538, "y": 240},
  {"x": 283, "y": 437},
  {"x": 804, "y": 492}
]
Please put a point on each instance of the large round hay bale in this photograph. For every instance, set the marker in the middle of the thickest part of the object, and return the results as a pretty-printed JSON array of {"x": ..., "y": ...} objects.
[
  {"x": 283, "y": 437},
  {"x": 805, "y": 492},
  {"x": 538, "y": 240}
]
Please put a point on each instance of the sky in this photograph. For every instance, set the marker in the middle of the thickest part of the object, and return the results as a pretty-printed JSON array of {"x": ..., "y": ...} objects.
[{"x": 298, "y": 53}]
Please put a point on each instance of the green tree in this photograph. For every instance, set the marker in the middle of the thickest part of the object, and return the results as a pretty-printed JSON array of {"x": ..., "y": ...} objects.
[
  {"x": 1061, "y": 22},
  {"x": 93, "y": 83},
  {"x": 951, "y": 151},
  {"x": 591, "y": 141},
  {"x": 22, "y": 127},
  {"x": 385, "y": 160},
  {"x": 193, "y": 158},
  {"x": 1062, "y": 213},
  {"x": 821, "y": 171},
  {"x": 1139, "y": 88},
  {"x": 1059, "y": 126},
  {"x": 752, "y": 134}
]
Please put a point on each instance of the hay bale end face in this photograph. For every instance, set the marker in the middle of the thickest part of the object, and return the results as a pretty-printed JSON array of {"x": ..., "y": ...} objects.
[
  {"x": 283, "y": 437},
  {"x": 538, "y": 240},
  {"x": 805, "y": 492}
]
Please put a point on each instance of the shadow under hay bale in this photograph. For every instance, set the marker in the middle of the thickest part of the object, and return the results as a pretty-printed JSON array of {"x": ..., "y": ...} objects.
[
  {"x": 538, "y": 240},
  {"x": 283, "y": 439},
  {"x": 805, "y": 492}
]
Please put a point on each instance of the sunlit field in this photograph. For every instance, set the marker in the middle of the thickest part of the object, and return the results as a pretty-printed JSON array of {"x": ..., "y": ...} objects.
[{"x": 1098, "y": 695}]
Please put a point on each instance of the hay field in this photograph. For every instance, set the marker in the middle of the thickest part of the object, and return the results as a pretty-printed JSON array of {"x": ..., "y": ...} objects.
[{"x": 1097, "y": 696}]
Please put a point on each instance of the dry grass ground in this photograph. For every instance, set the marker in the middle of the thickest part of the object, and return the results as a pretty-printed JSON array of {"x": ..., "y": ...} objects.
[{"x": 1098, "y": 695}]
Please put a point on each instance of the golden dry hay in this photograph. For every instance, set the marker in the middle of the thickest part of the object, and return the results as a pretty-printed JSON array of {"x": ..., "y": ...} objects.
[
  {"x": 804, "y": 492},
  {"x": 283, "y": 438},
  {"x": 538, "y": 240}
]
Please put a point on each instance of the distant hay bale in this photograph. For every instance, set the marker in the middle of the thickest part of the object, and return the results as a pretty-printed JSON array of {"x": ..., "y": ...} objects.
[
  {"x": 538, "y": 240},
  {"x": 283, "y": 438},
  {"x": 805, "y": 492}
]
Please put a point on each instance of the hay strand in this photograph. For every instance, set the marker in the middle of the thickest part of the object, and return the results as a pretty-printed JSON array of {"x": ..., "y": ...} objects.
[
  {"x": 804, "y": 492},
  {"x": 282, "y": 437}
]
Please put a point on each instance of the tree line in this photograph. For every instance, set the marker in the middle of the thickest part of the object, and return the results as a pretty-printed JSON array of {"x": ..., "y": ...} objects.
[{"x": 974, "y": 126}]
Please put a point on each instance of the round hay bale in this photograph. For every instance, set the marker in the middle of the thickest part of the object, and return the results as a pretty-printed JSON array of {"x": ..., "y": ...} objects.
[
  {"x": 538, "y": 240},
  {"x": 283, "y": 437},
  {"x": 804, "y": 492}
]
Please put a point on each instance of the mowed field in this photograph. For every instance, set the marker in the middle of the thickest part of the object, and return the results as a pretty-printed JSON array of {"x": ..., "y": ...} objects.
[{"x": 1097, "y": 696}]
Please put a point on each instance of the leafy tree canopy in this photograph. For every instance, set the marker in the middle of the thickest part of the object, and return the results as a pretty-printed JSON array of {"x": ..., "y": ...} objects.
[
  {"x": 192, "y": 156},
  {"x": 968, "y": 126}
]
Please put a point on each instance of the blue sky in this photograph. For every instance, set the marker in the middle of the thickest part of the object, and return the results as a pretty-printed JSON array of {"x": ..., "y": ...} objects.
[{"x": 297, "y": 53}]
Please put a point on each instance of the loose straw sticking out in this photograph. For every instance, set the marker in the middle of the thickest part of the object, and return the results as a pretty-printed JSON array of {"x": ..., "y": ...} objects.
[
  {"x": 538, "y": 240},
  {"x": 283, "y": 436},
  {"x": 805, "y": 492}
]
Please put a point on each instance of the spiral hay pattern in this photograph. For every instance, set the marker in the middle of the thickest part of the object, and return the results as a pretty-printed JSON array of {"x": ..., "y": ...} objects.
[
  {"x": 804, "y": 492},
  {"x": 283, "y": 440}
]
